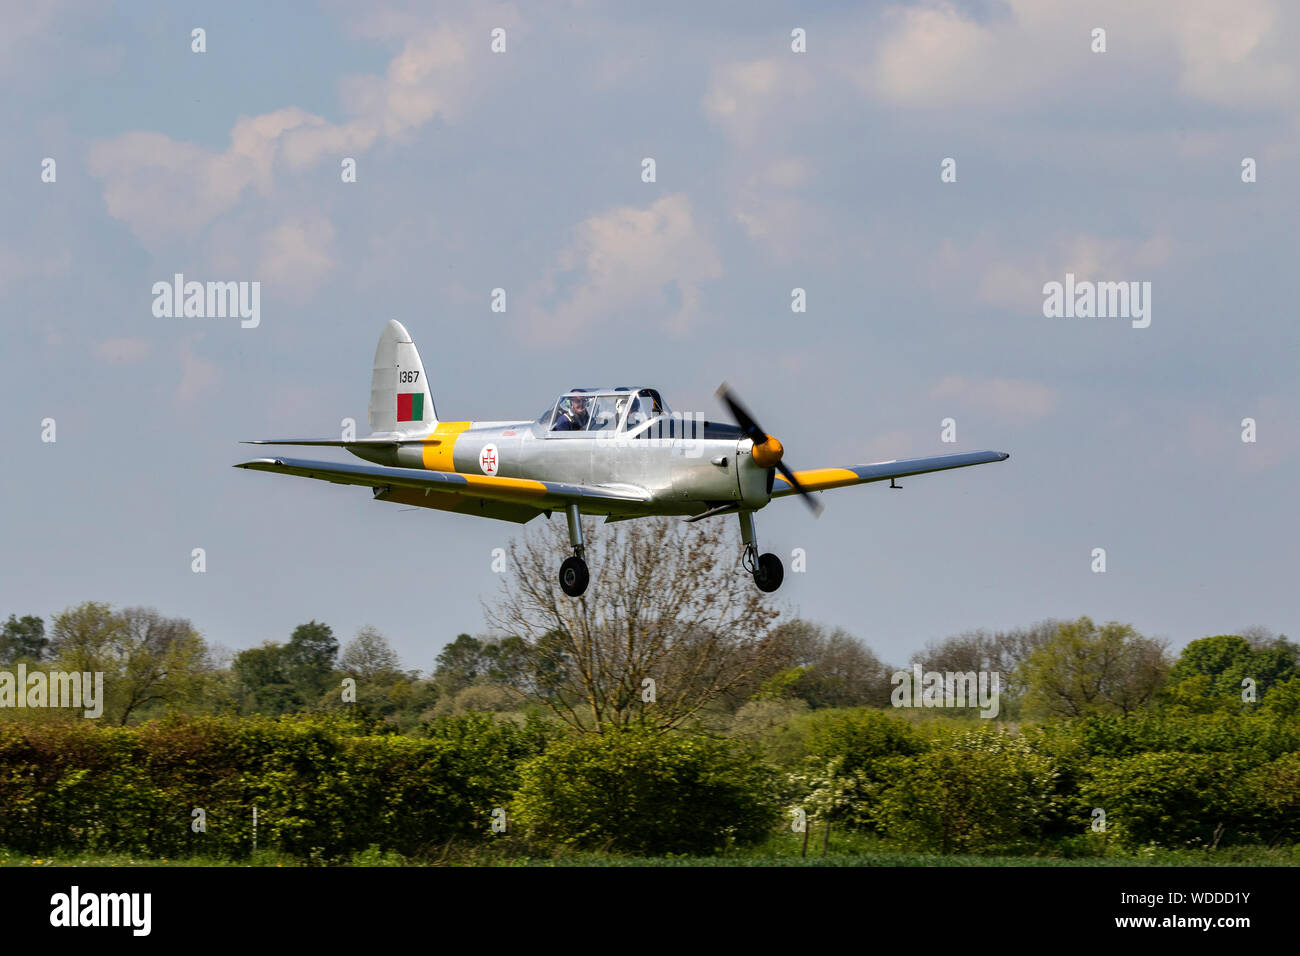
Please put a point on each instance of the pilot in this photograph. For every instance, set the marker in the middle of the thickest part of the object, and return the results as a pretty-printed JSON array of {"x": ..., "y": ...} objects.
[{"x": 573, "y": 415}]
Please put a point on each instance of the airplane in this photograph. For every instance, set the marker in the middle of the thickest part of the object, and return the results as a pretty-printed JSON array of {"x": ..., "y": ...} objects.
[{"x": 618, "y": 452}]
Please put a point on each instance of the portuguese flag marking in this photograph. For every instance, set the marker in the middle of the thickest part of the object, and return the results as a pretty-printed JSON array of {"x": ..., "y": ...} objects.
[{"x": 410, "y": 407}]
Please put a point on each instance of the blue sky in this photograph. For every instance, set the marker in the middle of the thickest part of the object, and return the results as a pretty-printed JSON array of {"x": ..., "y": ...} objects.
[{"x": 775, "y": 170}]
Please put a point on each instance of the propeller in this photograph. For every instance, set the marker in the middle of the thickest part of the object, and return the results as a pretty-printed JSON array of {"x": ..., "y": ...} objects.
[{"x": 767, "y": 451}]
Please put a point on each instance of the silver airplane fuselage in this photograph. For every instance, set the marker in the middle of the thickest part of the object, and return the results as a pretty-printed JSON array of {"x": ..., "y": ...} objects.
[{"x": 683, "y": 466}]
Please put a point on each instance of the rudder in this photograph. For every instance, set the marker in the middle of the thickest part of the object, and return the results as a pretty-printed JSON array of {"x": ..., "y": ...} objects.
[{"x": 400, "y": 400}]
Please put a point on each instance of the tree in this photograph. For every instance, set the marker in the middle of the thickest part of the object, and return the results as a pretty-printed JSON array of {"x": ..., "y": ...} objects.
[
  {"x": 369, "y": 657},
  {"x": 1000, "y": 652},
  {"x": 262, "y": 683},
  {"x": 470, "y": 661},
  {"x": 164, "y": 660},
  {"x": 1211, "y": 672},
  {"x": 670, "y": 625},
  {"x": 23, "y": 638},
  {"x": 309, "y": 658},
  {"x": 458, "y": 665},
  {"x": 827, "y": 668},
  {"x": 1086, "y": 669},
  {"x": 147, "y": 659}
]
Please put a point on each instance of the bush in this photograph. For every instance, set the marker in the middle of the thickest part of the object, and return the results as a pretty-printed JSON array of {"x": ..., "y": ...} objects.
[
  {"x": 986, "y": 792},
  {"x": 857, "y": 739},
  {"x": 1276, "y": 790},
  {"x": 640, "y": 793},
  {"x": 846, "y": 751},
  {"x": 1174, "y": 799},
  {"x": 1257, "y": 737},
  {"x": 322, "y": 790}
]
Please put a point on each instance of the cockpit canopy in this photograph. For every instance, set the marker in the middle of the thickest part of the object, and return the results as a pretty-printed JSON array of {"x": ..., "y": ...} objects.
[{"x": 603, "y": 409}]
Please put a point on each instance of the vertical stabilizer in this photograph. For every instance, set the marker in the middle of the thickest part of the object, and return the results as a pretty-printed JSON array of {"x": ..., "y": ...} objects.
[{"x": 400, "y": 400}]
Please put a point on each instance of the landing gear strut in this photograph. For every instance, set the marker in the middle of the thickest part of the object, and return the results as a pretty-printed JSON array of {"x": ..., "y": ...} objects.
[
  {"x": 766, "y": 568},
  {"x": 573, "y": 572}
]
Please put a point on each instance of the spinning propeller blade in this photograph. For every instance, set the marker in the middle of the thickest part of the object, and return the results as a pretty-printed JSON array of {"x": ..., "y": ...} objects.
[{"x": 767, "y": 450}]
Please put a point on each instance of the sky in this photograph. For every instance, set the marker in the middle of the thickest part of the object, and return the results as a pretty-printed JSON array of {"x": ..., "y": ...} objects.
[{"x": 793, "y": 149}]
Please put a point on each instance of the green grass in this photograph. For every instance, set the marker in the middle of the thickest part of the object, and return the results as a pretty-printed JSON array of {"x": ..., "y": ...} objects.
[{"x": 845, "y": 850}]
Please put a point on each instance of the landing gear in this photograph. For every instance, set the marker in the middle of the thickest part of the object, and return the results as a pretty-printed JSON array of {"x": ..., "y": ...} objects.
[
  {"x": 574, "y": 576},
  {"x": 766, "y": 568},
  {"x": 770, "y": 573},
  {"x": 573, "y": 572}
]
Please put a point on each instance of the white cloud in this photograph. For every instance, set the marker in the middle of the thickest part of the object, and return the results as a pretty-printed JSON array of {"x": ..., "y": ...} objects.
[
  {"x": 297, "y": 256},
  {"x": 1014, "y": 280},
  {"x": 1016, "y": 401},
  {"x": 1240, "y": 54},
  {"x": 937, "y": 55},
  {"x": 742, "y": 96},
  {"x": 767, "y": 205},
  {"x": 163, "y": 188},
  {"x": 626, "y": 259},
  {"x": 123, "y": 351},
  {"x": 16, "y": 266}
]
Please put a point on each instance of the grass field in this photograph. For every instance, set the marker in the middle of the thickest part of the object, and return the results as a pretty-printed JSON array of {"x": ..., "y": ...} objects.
[{"x": 780, "y": 851}]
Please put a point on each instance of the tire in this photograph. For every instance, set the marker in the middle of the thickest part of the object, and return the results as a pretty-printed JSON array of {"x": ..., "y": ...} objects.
[
  {"x": 574, "y": 576},
  {"x": 770, "y": 573}
]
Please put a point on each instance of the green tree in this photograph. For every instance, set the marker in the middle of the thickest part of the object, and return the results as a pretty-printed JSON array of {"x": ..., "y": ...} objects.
[
  {"x": 148, "y": 660},
  {"x": 470, "y": 662},
  {"x": 369, "y": 657},
  {"x": 827, "y": 668},
  {"x": 1207, "y": 675},
  {"x": 1002, "y": 652},
  {"x": 309, "y": 658},
  {"x": 458, "y": 665},
  {"x": 1086, "y": 669},
  {"x": 1212, "y": 672},
  {"x": 262, "y": 681},
  {"x": 23, "y": 638}
]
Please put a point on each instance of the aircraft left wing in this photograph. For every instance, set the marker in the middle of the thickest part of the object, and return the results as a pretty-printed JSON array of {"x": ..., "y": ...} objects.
[
  {"x": 820, "y": 479},
  {"x": 510, "y": 499}
]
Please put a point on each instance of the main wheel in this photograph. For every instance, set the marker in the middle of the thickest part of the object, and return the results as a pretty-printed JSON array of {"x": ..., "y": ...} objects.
[
  {"x": 770, "y": 573},
  {"x": 574, "y": 576}
]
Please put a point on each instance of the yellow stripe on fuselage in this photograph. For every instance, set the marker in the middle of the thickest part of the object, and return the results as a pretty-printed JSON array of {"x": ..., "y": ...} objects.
[
  {"x": 493, "y": 483},
  {"x": 816, "y": 479},
  {"x": 438, "y": 447}
]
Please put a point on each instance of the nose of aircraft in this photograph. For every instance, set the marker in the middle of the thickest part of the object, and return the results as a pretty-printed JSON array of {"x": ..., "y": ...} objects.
[{"x": 767, "y": 453}]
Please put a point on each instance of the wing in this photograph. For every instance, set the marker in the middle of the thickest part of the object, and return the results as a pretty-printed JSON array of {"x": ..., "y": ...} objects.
[
  {"x": 491, "y": 496},
  {"x": 330, "y": 442},
  {"x": 820, "y": 479}
]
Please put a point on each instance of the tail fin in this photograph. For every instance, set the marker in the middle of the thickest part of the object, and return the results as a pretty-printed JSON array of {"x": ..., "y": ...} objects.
[{"x": 399, "y": 391}]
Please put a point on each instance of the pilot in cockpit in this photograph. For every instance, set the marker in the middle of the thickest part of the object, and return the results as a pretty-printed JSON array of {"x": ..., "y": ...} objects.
[{"x": 572, "y": 415}]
